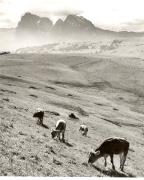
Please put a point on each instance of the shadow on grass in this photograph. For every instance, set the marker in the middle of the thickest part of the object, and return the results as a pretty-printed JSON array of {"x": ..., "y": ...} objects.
[
  {"x": 68, "y": 144},
  {"x": 43, "y": 125},
  {"x": 113, "y": 173},
  {"x": 64, "y": 142}
]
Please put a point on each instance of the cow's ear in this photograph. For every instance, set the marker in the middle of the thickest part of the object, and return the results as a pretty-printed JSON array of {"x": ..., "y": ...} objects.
[
  {"x": 93, "y": 151},
  {"x": 97, "y": 153}
]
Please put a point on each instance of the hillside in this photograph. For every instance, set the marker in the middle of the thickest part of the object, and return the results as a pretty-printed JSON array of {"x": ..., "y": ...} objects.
[
  {"x": 106, "y": 93},
  {"x": 126, "y": 47}
]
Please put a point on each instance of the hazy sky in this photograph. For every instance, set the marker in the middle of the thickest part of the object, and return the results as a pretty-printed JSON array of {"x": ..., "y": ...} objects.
[{"x": 110, "y": 14}]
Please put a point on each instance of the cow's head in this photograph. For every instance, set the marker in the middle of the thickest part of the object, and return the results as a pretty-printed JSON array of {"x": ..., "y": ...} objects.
[
  {"x": 54, "y": 133},
  {"x": 93, "y": 156}
]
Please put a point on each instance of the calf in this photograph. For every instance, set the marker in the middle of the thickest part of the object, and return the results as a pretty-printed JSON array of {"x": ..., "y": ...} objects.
[
  {"x": 60, "y": 129},
  {"x": 110, "y": 147},
  {"x": 84, "y": 129},
  {"x": 39, "y": 114}
]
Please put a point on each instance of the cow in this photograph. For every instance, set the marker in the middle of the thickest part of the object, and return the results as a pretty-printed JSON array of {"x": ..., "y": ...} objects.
[
  {"x": 110, "y": 147},
  {"x": 39, "y": 114},
  {"x": 59, "y": 129},
  {"x": 4, "y": 52},
  {"x": 84, "y": 129}
]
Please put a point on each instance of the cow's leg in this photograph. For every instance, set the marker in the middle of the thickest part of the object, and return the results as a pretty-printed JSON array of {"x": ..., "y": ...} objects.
[
  {"x": 124, "y": 159},
  {"x": 121, "y": 159},
  {"x": 83, "y": 133},
  {"x": 41, "y": 120},
  {"x": 105, "y": 158},
  {"x": 58, "y": 135},
  {"x": 86, "y": 132},
  {"x": 111, "y": 156},
  {"x": 38, "y": 121},
  {"x": 63, "y": 136}
]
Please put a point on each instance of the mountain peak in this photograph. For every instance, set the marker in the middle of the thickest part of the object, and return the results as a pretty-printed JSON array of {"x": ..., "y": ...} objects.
[
  {"x": 31, "y": 23},
  {"x": 80, "y": 22},
  {"x": 58, "y": 26},
  {"x": 59, "y": 22}
]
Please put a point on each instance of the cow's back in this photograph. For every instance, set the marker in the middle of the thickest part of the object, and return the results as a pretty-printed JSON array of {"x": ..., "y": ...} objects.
[
  {"x": 114, "y": 146},
  {"x": 61, "y": 125}
]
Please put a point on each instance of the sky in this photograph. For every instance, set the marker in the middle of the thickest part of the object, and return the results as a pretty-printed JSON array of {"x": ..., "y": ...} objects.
[{"x": 108, "y": 14}]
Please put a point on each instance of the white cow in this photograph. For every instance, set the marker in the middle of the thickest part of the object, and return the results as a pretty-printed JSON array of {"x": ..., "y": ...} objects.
[
  {"x": 59, "y": 129},
  {"x": 84, "y": 129}
]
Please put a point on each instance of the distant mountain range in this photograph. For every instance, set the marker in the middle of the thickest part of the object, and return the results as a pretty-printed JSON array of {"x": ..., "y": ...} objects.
[
  {"x": 73, "y": 27},
  {"x": 33, "y": 30}
]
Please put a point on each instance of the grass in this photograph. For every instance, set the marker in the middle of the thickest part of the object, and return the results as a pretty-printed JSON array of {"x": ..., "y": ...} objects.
[{"x": 27, "y": 149}]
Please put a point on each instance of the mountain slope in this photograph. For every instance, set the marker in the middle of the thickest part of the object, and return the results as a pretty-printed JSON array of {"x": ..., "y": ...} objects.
[
  {"x": 102, "y": 92},
  {"x": 126, "y": 47}
]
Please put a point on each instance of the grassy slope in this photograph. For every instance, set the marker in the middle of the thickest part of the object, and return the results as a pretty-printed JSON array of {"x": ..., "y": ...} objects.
[{"x": 105, "y": 93}]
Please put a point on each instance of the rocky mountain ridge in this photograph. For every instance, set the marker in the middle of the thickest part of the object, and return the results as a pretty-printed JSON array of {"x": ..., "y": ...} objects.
[{"x": 73, "y": 26}]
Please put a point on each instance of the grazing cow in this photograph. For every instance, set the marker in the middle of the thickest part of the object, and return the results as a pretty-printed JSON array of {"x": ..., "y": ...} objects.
[
  {"x": 110, "y": 147},
  {"x": 60, "y": 129},
  {"x": 84, "y": 129},
  {"x": 4, "y": 52},
  {"x": 39, "y": 114}
]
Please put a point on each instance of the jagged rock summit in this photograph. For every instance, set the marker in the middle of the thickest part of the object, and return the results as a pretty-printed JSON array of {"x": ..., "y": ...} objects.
[
  {"x": 79, "y": 23},
  {"x": 73, "y": 26},
  {"x": 31, "y": 23}
]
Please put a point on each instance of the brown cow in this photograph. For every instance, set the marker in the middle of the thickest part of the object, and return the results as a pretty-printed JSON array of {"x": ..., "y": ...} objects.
[
  {"x": 110, "y": 147},
  {"x": 39, "y": 114}
]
